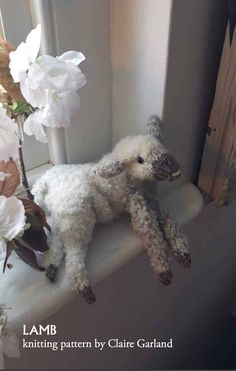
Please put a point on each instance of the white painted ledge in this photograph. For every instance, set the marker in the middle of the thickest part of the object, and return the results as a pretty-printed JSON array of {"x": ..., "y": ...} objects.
[
  {"x": 33, "y": 299},
  {"x": 37, "y": 172},
  {"x": 32, "y": 176}
]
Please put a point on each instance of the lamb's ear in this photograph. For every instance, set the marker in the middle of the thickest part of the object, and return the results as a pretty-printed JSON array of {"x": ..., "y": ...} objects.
[
  {"x": 154, "y": 127},
  {"x": 108, "y": 169}
]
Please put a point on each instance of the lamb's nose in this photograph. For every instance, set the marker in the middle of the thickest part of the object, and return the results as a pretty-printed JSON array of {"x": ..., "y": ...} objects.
[
  {"x": 176, "y": 174},
  {"x": 172, "y": 165}
]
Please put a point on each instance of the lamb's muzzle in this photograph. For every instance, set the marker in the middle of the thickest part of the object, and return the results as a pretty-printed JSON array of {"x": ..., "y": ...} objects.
[{"x": 166, "y": 167}]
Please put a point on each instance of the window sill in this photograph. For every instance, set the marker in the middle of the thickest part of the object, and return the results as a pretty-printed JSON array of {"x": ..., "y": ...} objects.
[
  {"x": 24, "y": 289},
  {"x": 32, "y": 175},
  {"x": 35, "y": 173}
]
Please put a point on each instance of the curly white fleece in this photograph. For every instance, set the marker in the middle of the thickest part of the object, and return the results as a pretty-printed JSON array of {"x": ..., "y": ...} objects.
[{"x": 76, "y": 197}]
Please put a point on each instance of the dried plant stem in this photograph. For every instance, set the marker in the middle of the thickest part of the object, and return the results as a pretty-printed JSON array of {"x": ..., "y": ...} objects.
[{"x": 23, "y": 172}]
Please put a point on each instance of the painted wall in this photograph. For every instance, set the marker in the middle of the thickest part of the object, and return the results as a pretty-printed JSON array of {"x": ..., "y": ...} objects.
[
  {"x": 142, "y": 59},
  {"x": 196, "y": 39},
  {"x": 85, "y": 25},
  {"x": 140, "y": 31}
]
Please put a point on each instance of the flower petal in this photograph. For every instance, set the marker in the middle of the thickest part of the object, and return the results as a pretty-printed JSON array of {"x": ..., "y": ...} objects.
[
  {"x": 57, "y": 75},
  {"x": 32, "y": 91},
  {"x": 48, "y": 73},
  {"x": 32, "y": 42},
  {"x": 9, "y": 141},
  {"x": 71, "y": 104},
  {"x": 72, "y": 56},
  {"x": 54, "y": 114},
  {"x": 60, "y": 109},
  {"x": 18, "y": 62},
  {"x": 12, "y": 180},
  {"x": 33, "y": 125},
  {"x": 3, "y": 176},
  {"x": 12, "y": 217},
  {"x": 25, "y": 54}
]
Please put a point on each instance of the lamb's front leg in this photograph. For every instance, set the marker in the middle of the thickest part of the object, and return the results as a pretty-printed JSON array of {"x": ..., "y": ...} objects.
[
  {"x": 145, "y": 224},
  {"x": 76, "y": 237},
  {"x": 177, "y": 241}
]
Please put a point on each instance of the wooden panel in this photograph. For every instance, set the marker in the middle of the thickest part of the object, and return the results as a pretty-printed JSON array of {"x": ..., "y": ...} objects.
[{"x": 219, "y": 156}]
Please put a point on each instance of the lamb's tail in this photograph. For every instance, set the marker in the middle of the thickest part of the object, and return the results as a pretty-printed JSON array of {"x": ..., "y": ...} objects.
[{"x": 40, "y": 190}]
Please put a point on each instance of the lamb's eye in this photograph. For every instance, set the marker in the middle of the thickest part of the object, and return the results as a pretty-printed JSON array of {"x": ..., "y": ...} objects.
[{"x": 140, "y": 160}]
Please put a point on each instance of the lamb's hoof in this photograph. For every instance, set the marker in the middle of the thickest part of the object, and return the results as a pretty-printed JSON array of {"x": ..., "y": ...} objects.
[
  {"x": 183, "y": 259},
  {"x": 88, "y": 295},
  {"x": 165, "y": 277},
  {"x": 51, "y": 273}
]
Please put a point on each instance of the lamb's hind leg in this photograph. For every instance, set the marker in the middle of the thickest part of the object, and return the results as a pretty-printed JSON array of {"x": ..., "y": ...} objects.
[
  {"x": 76, "y": 240},
  {"x": 147, "y": 227},
  {"x": 54, "y": 256}
]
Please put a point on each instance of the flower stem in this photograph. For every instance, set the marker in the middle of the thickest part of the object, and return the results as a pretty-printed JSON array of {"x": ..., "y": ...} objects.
[{"x": 23, "y": 172}]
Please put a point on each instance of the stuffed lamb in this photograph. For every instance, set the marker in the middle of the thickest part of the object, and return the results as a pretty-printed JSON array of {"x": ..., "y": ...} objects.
[{"x": 76, "y": 197}]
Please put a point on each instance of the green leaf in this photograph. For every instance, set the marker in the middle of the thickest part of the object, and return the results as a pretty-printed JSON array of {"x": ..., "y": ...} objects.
[
  {"x": 18, "y": 108},
  {"x": 14, "y": 105}
]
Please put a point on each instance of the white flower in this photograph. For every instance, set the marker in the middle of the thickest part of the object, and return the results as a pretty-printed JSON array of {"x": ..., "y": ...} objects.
[
  {"x": 60, "y": 108},
  {"x": 33, "y": 126},
  {"x": 25, "y": 54},
  {"x": 3, "y": 176},
  {"x": 9, "y": 141},
  {"x": 58, "y": 112},
  {"x": 37, "y": 75},
  {"x": 33, "y": 92},
  {"x": 47, "y": 83},
  {"x": 12, "y": 218},
  {"x": 59, "y": 75},
  {"x": 73, "y": 57},
  {"x": 49, "y": 74}
]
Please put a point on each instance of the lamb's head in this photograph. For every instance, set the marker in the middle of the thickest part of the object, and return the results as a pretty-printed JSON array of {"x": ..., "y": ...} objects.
[{"x": 143, "y": 157}]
